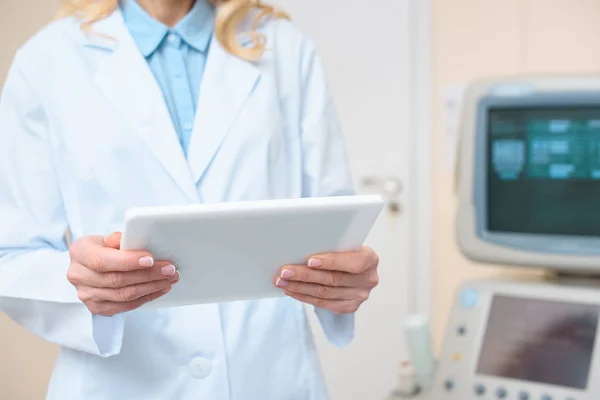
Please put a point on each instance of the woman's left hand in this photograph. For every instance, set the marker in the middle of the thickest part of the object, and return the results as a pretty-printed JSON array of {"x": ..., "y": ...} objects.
[{"x": 339, "y": 282}]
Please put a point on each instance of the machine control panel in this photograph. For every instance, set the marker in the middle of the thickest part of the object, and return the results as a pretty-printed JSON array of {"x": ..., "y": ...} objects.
[{"x": 521, "y": 341}]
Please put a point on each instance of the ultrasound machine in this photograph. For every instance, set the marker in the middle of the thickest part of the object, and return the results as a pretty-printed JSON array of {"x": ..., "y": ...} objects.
[{"x": 528, "y": 181}]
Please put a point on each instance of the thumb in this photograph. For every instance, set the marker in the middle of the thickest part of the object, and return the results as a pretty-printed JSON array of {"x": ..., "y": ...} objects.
[{"x": 113, "y": 241}]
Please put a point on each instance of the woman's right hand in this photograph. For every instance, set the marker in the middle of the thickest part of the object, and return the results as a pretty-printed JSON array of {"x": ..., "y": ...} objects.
[{"x": 111, "y": 281}]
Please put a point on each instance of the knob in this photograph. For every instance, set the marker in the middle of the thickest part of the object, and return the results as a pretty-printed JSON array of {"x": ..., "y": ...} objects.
[
  {"x": 479, "y": 390},
  {"x": 501, "y": 393},
  {"x": 449, "y": 385},
  {"x": 523, "y": 396},
  {"x": 390, "y": 189}
]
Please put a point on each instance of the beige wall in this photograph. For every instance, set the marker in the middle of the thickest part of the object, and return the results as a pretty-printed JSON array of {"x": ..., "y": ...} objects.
[
  {"x": 472, "y": 39},
  {"x": 479, "y": 38},
  {"x": 25, "y": 360}
]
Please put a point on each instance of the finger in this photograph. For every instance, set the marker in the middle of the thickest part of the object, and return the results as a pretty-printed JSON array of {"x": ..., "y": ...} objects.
[
  {"x": 354, "y": 262},
  {"x": 302, "y": 273},
  {"x": 319, "y": 291},
  {"x": 113, "y": 241},
  {"x": 160, "y": 271},
  {"x": 337, "y": 306},
  {"x": 94, "y": 255},
  {"x": 124, "y": 294},
  {"x": 113, "y": 308}
]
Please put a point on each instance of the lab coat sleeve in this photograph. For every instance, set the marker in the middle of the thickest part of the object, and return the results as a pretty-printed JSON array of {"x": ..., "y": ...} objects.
[
  {"x": 34, "y": 258},
  {"x": 326, "y": 170}
]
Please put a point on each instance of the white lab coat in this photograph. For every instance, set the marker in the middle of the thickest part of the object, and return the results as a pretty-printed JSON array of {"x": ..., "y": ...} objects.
[{"x": 85, "y": 135}]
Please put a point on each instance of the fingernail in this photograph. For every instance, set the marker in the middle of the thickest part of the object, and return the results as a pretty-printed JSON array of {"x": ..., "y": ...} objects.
[
  {"x": 315, "y": 263},
  {"x": 281, "y": 283},
  {"x": 168, "y": 270},
  {"x": 146, "y": 262},
  {"x": 175, "y": 277},
  {"x": 167, "y": 290},
  {"x": 287, "y": 274}
]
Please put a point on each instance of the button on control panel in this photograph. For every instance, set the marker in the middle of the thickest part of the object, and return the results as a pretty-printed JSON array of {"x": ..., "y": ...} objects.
[
  {"x": 501, "y": 393},
  {"x": 523, "y": 395},
  {"x": 469, "y": 298},
  {"x": 479, "y": 389},
  {"x": 449, "y": 385}
]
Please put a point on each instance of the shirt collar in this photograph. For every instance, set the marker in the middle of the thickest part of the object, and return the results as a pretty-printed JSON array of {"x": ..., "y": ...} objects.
[{"x": 195, "y": 29}]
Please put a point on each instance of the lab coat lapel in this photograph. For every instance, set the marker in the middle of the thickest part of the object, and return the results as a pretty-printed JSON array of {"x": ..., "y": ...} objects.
[
  {"x": 130, "y": 86},
  {"x": 226, "y": 84}
]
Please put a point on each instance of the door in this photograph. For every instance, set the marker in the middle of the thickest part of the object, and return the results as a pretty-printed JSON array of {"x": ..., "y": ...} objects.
[{"x": 366, "y": 51}]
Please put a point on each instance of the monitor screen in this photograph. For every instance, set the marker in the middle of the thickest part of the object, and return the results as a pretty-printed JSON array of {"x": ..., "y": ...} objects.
[
  {"x": 543, "y": 174},
  {"x": 539, "y": 341}
]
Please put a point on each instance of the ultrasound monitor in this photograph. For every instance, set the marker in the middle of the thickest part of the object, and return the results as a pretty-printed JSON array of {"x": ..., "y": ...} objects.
[
  {"x": 520, "y": 340},
  {"x": 529, "y": 173}
]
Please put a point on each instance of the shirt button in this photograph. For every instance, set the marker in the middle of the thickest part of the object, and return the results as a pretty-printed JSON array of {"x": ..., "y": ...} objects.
[
  {"x": 188, "y": 126},
  {"x": 200, "y": 367},
  {"x": 172, "y": 38}
]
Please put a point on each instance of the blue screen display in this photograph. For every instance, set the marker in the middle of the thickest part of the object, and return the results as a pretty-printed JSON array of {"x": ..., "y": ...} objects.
[{"x": 543, "y": 172}]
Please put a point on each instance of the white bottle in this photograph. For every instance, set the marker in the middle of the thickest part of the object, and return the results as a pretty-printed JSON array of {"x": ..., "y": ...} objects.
[
  {"x": 418, "y": 337},
  {"x": 406, "y": 386}
]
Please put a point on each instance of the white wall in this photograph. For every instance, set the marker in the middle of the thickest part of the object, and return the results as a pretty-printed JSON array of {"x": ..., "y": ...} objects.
[{"x": 365, "y": 52}]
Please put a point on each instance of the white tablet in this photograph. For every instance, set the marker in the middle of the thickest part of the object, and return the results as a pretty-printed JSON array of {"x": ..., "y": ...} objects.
[{"x": 231, "y": 251}]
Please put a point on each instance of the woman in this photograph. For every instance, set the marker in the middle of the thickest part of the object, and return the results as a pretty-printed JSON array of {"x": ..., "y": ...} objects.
[{"x": 162, "y": 102}]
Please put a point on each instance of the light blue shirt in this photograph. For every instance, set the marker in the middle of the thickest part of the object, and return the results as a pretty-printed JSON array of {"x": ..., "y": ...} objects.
[{"x": 176, "y": 56}]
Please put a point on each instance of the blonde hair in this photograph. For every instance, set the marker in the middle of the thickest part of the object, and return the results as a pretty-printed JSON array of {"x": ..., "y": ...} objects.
[{"x": 230, "y": 14}]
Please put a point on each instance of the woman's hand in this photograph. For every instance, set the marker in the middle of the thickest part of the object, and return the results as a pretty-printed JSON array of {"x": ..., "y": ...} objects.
[
  {"x": 110, "y": 281},
  {"x": 339, "y": 282}
]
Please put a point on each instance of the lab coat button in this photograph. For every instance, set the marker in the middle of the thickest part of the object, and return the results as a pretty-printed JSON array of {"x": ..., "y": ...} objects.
[{"x": 200, "y": 368}]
